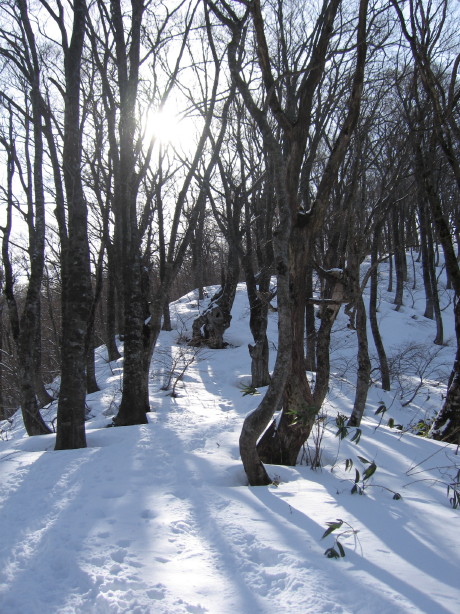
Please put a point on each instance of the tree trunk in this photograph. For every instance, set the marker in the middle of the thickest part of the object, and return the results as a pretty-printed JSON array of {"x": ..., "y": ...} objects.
[
  {"x": 282, "y": 442},
  {"x": 257, "y": 420},
  {"x": 258, "y": 304},
  {"x": 134, "y": 402},
  {"x": 110, "y": 328},
  {"x": 328, "y": 315},
  {"x": 447, "y": 423},
  {"x": 364, "y": 366},
  {"x": 3, "y": 415},
  {"x": 33, "y": 420},
  {"x": 91, "y": 381},
  {"x": 390, "y": 260},
  {"x": 424, "y": 229},
  {"x": 383, "y": 361},
  {"x": 166, "y": 317},
  {"x": 76, "y": 290},
  {"x": 197, "y": 255},
  {"x": 210, "y": 326},
  {"x": 399, "y": 259},
  {"x": 439, "y": 339},
  {"x": 259, "y": 298},
  {"x": 43, "y": 396},
  {"x": 310, "y": 328}
]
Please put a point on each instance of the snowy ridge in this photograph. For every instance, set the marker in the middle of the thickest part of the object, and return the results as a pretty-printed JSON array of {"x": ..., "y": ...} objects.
[{"x": 157, "y": 519}]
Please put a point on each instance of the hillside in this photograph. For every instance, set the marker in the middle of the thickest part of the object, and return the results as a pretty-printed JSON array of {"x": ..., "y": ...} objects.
[{"x": 158, "y": 519}]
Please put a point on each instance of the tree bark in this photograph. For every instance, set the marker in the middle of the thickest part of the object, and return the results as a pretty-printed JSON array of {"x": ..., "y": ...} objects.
[
  {"x": 328, "y": 315},
  {"x": 75, "y": 263},
  {"x": 439, "y": 339},
  {"x": 43, "y": 396},
  {"x": 259, "y": 302},
  {"x": 364, "y": 365},
  {"x": 3, "y": 414},
  {"x": 310, "y": 328},
  {"x": 111, "y": 327},
  {"x": 383, "y": 361},
  {"x": 210, "y": 326},
  {"x": 447, "y": 424},
  {"x": 256, "y": 422},
  {"x": 426, "y": 273},
  {"x": 399, "y": 258}
]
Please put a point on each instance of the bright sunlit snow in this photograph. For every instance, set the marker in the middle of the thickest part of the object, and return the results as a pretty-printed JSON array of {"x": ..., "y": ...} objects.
[{"x": 158, "y": 518}]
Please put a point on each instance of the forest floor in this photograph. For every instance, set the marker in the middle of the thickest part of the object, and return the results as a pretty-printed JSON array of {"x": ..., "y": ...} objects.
[{"x": 158, "y": 519}]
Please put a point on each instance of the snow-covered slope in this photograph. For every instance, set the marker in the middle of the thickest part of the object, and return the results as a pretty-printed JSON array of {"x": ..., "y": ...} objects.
[{"x": 158, "y": 518}]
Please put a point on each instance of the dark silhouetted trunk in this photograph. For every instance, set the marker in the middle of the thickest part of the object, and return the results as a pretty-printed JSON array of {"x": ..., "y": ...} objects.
[
  {"x": 258, "y": 286},
  {"x": 383, "y": 361},
  {"x": 399, "y": 257},
  {"x": 328, "y": 314},
  {"x": 210, "y": 326},
  {"x": 259, "y": 302},
  {"x": 310, "y": 328},
  {"x": 364, "y": 366},
  {"x": 111, "y": 318},
  {"x": 75, "y": 262},
  {"x": 426, "y": 261}
]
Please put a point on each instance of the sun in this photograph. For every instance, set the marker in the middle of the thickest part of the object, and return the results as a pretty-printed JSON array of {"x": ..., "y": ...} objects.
[{"x": 165, "y": 127}]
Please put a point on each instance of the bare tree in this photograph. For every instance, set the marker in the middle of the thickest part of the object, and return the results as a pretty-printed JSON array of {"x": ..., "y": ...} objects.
[
  {"x": 283, "y": 117},
  {"x": 75, "y": 263}
]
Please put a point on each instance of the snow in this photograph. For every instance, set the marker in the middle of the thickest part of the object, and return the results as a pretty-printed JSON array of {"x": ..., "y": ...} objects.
[{"x": 158, "y": 518}]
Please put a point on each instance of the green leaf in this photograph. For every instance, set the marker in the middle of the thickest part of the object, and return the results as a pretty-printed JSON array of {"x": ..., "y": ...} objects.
[
  {"x": 391, "y": 423},
  {"x": 364, "y": 460},
  {"x": 357, "y": 476},
  {"x": 381, "y": 409},
  {"x": 455, "y": 500},
  {"x": 397, "y": 496},
  {"x": 348, "y": 464},
  {"x": 248, "y": 389},
  {"x": 342, "y": 432},
  {"x": 331, "y": 553},
  {"x": 332, "y": 527},
  {"x": 369, "y": 471},
  {"x": 357, "y": 436},
  {"x": 340, "y": 547}
]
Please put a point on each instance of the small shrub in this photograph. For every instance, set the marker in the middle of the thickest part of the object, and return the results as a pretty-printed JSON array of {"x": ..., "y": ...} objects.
[
  {"x": 337, "y": 550},
  {"x": 248, "y": 389}
]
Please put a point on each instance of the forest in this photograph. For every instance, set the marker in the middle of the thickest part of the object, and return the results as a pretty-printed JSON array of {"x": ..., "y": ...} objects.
[{"x": 149, "y": 148}]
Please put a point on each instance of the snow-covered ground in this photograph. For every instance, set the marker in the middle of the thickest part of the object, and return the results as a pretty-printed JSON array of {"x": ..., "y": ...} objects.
[{"x": 158, "y": 518}]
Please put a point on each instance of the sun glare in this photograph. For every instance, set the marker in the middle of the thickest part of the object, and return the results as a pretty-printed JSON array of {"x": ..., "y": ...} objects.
[{"x": 166, "y": 127}]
